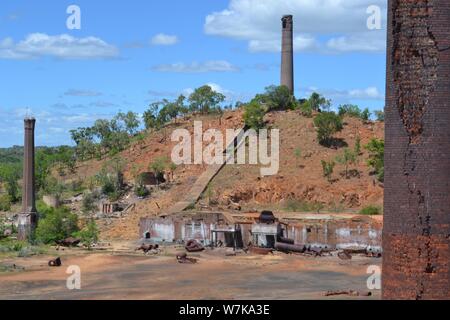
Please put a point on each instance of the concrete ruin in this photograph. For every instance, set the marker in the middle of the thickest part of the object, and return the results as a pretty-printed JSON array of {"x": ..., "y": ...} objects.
[
  {"x": 287, "y": 53},
  {"x": 27, "y": 220},
  {"x": 107, "y": 207},
  {"x": 208, "y": 228},
  {"x": 416, "y": 234}
]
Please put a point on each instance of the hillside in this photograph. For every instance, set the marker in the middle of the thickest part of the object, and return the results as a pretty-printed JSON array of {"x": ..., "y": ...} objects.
[{"x": 299, "y": 185}]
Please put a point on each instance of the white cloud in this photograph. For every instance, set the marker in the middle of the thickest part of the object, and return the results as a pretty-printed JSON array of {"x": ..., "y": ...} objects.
[
  {"x": 343, "y": 23},
  {"x": 367, "y": 42},
  {"x": 162, "y": 39},
  {"x": 341, "y": 96},
  {"x": 197, "y": 67},
  {"x": 301, "y": 43},
  {"x": 60, "y": 46}
]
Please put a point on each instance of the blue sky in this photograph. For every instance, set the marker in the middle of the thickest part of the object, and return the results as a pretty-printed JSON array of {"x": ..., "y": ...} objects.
[{"x": 130, "y": 53}]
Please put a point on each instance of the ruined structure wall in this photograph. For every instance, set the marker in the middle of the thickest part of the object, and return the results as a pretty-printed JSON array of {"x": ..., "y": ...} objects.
[
  {"x": 287, "y": 53},
  {"x": 416, "y": 235}
]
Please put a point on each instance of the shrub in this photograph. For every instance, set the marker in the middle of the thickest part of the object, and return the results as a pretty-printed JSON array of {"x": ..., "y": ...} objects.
[
  {"x": 89, "y": 234},
  {"x": 370, "y": 211},
  {"x": 347, "y": 158},
  {"x": 141, "y": 191},
  {"x": 350, "y": 110},
  {"x": 5, "y": 202},
  {"x": 89, "y": 201},
  {"x": 376, "y": 157},
  {"x": 328, "y": 168},
  {"x": 279, "y": 98},
  {"x": 254, "y": 115},
  {"x": 318, "y": 102},
  {"x": 159, "y": 166},
  {"x": 353, "y": 110},
  {"x": 306, "y": 109},
  {"x": 327, "y": 124},
  {"x": 56, "y": 224},
  {"x": 365, "y": 115}
]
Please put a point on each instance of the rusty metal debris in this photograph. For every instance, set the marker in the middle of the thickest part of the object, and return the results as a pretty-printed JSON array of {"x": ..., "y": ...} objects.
[
  {"x": 286, "y": 240},
  {"x": 347, "y": 254},
  {"x": 183, "y": 258},
  {"x": 194, "y": 246},
  {"x": 312, "y": 250},
  {"x": 146, "y": 248},
  {"x": 344, "y": 255},
  {"x": 259, "y": 250},
  {"x": 69, "y": 242},
  {"x": 287, "y": 248},
  {"x": 352, "y": 293},
  {"x": 55, "y": 263}
]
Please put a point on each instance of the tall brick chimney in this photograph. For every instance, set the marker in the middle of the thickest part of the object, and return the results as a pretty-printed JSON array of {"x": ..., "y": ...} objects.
[
  {"x": 416, "y": 235},
  {"x": 287, "y": 53},
  {"x": 28, "y": 216}
]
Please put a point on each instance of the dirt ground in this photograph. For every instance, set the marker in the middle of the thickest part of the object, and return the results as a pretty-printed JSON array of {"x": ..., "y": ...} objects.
[{"x": 120, "y": 273}]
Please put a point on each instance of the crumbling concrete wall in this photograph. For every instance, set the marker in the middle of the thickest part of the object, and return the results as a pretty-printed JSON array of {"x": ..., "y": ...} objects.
[{"x": 416, "y": 234}]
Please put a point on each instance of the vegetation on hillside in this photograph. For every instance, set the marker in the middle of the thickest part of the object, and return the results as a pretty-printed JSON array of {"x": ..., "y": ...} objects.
[{"x": 376, "y": 157}]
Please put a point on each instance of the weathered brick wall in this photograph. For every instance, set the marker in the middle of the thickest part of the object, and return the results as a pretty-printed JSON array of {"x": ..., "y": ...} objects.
[{"x": 416, "y": 234}]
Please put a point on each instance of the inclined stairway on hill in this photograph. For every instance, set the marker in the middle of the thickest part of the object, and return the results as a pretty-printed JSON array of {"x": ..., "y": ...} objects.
[{"x": 204, "y": 179}]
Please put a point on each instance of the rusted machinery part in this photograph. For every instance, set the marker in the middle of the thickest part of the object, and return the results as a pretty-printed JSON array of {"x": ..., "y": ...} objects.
[
  {"x": 194, "y": 246},
  {"x": 183, "y": 258},
  {"x": 55, "y": 263},
  {"x": 262, "y": 251},
  {"x": 286, "y": 240},
  {"x": 352, "y": 293},
  {"x": 286, "y": 247},
  {"x": 69, "y": 242},
  {"x": 344, "y": 255}
]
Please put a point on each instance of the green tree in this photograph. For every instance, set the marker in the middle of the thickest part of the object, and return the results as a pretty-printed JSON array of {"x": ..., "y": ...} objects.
[
  {"x": 279, "y": 98},
  {"x": 89, "y": 234},
  {"x": 379, "y": 114},
  {"x": 318, "y": 102},
  {"x": 151, "y": 116},
  {"x": 376, "y": 157},
  {"x": 205, "y": 99},
  {"x": 351, "y": 110},
  {"x": 254, "y": 115},
  {"x": 327, "y": 124},
  {"x": 328, "y": 168},
  {"x": 365, "y": 114},
  {"x": 130, "y": 121},
  {"x": 9, "y": 176},
  {"x": 305, "y": 108},
  {"x": 88, "y": 205},
  {"x": 56, "y": 224},
  {"x": 347, "y": 158},
  {"x": 5, "y": 204}
]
